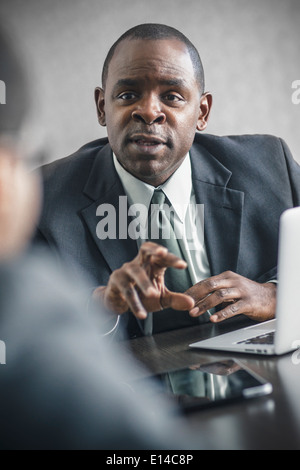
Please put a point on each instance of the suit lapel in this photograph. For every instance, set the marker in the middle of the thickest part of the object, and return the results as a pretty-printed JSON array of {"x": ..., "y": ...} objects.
[
  {"x": 223, "y": 209},
  {"x": 104, "y": 188}
]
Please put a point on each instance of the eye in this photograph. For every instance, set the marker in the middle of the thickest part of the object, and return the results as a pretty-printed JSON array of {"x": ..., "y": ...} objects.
[
  {"x": 173, "y": 98},
  {"x": 127, "y": 96}
]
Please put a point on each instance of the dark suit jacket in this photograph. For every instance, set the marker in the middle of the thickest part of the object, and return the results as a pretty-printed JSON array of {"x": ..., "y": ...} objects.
[{"x": 245, "y": 183}]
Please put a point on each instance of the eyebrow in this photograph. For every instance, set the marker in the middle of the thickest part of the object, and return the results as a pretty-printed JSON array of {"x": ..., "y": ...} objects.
[
  {"x": 179, "y": 82},
  {"x": 129, "y": 82},
  {"x": 125, "y": 82}
]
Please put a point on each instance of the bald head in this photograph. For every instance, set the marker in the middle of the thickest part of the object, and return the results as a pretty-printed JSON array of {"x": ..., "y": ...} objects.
[{"x": 154, "y": 31}]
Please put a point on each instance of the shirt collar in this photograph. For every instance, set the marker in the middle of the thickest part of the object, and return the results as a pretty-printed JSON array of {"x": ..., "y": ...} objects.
[
  {"x": 178, "y": 188},
  {"x": 136, "y": 190}
]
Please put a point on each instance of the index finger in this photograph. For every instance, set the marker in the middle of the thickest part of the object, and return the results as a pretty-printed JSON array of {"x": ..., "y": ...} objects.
[
  {"x": 206, "y": 287},
  {"x": 153, "y": 253}
]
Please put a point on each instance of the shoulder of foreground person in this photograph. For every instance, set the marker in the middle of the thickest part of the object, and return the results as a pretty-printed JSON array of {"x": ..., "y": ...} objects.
[{"x": 63, "y": 387}]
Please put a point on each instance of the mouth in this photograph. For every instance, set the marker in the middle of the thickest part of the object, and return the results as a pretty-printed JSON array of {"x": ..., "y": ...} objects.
[{"x": 148, "y": 144}]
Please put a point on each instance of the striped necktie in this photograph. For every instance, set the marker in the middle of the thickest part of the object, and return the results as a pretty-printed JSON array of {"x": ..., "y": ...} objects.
[{"x": 161, "y": 231}]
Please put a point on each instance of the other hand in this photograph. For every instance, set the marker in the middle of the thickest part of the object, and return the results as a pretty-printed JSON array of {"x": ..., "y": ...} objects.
[{"x": 238, "y": 294}]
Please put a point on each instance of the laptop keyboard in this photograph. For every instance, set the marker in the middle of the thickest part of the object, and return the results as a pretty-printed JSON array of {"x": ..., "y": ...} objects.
[{"x": 267, "y": 338}]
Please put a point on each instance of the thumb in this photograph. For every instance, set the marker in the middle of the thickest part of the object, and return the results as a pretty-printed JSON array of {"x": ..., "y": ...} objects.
[{"x": 176, "y": 300}]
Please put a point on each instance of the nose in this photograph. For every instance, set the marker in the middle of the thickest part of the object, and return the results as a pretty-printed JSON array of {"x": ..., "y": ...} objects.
[{"x": 149, "y": 111}]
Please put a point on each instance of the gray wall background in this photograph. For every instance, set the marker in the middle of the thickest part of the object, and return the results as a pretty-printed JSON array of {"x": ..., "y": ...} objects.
[{"x": 250, "y": 52}]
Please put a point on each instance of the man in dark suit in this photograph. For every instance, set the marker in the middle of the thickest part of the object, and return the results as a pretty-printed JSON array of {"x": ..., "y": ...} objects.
[{"x": 152, "y": 102}]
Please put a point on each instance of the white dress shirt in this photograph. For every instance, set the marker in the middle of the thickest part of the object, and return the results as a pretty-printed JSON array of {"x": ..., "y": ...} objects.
[{"x": 188, "y": 215}]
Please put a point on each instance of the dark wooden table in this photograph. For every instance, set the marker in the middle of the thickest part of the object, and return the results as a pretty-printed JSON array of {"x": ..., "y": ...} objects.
[{"x": 271, "y": 422}]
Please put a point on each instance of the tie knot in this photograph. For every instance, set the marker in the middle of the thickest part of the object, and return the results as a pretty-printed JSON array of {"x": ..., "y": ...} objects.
[{"x": 158, "y": 197}]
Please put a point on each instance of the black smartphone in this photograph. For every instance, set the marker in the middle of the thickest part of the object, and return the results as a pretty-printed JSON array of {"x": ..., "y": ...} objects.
[{"x": 205, "y": 385}]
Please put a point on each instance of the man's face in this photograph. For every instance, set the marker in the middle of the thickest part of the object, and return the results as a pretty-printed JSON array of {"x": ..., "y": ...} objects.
[{"x": 152, "y": 106}]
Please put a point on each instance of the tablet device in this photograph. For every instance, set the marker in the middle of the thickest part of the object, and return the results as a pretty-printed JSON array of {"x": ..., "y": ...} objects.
[{"x": 211, "y": 384}]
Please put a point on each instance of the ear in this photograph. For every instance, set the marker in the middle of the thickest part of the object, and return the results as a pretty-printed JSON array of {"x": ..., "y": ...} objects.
[
  {"x": 100, "y": 104},
  {"x": 205, "y": 107}
]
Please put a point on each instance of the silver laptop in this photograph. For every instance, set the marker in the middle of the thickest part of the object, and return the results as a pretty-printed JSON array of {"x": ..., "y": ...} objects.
[{"x": 281, "y": 335}]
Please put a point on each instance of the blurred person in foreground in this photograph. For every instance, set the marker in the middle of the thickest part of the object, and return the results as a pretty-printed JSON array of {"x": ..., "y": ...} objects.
[{"x": 62, "y": 386}]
